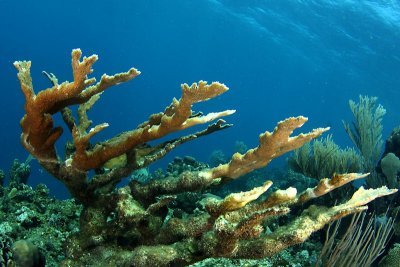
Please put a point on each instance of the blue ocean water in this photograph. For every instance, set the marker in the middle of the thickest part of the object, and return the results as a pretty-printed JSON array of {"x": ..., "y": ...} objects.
[{"x": 280, "y": 58}]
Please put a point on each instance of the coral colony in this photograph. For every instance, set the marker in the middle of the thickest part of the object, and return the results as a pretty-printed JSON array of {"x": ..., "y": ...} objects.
[{"x": 135, "y": 225}]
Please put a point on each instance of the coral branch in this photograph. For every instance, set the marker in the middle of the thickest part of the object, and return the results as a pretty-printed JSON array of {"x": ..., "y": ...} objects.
[
  {"x": 272, "y": 145},
  {"x": 236, "y": 201},
  {"x": 311, "y": 220},
  {"x": 327, "y": 185},
  {"x": 39, "y": 135},
  {"x": 176, "y": 117},
  {"x": 246, "y": 240}
]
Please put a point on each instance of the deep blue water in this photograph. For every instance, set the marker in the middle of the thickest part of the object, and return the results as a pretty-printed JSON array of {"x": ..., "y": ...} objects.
[{"x": 280, "y": 58}]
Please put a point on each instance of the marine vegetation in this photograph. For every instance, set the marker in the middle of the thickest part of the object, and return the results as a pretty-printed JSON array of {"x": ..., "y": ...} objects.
[
  {"x": 133, "y": 225},
  {"x": 323, "y": 157}
]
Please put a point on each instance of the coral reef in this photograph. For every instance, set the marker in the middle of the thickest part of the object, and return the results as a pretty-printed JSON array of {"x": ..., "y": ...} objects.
[
  {"x": 19, "y": 173},
  {"x": 5, "y": 250},
  {"x": 32, "y": 221},
  {"x": 302, "y": 255},
  {"x": 133, "y": 225}
]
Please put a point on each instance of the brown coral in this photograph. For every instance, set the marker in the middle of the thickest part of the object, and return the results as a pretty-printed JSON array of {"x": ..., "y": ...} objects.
[{"x": 130, "y": 225}]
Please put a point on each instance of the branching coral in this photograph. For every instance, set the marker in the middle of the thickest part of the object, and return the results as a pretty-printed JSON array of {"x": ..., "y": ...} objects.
[
  {"x": 131, "y": 225},
  {"x": 39, "y": 133}
]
